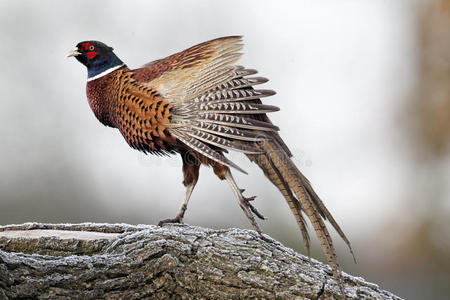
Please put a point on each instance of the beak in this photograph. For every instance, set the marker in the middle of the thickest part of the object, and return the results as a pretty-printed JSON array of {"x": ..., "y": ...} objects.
[{"x": 74, "y": 52}]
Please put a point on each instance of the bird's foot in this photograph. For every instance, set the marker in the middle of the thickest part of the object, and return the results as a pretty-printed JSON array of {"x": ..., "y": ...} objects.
[
  {"x": 178, "y": 219},
  {"x": 250, "y": 211},
  {"x": 244, "y": 202},
  {"x": 247, "y": 200},
  {"x": 253, "y": 209}
]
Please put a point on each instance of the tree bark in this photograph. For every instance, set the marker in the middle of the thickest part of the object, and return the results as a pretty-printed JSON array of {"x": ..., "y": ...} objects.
[{"x": 120, "y": 261}]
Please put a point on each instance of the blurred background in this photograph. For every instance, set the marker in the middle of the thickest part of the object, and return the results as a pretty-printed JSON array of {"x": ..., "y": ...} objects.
[{"x": 364, "y": 92}]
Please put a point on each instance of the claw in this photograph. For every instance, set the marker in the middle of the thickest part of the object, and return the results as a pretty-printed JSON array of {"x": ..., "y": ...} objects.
[
  {"x": 252, "y": 208},
  {"x": 249, "y": 198},
  {"x": 256, "y": 212},
  {"x": 244, "y": 202}
]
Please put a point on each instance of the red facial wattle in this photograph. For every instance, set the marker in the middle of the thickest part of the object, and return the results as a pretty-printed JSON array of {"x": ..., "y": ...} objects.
[
  {"x": 91, "y": 54},
  {"x": 87, "y": 48}
]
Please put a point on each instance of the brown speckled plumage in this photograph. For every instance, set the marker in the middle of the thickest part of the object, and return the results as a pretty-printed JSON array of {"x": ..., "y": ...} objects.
[
  {"x": 200, "y": 104},
  {"x": 139, "y": 112}
]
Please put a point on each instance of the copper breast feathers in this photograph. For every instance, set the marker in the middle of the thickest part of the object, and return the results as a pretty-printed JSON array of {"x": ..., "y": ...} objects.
[{"x": 139, "y": 112}]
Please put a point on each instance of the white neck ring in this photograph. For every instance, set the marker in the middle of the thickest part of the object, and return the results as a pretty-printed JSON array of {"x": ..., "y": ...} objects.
[{"x": 106, "y": 72}]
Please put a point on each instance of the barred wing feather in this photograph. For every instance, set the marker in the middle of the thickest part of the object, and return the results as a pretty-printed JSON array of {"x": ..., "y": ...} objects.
[{"x": 213, "y": 100}]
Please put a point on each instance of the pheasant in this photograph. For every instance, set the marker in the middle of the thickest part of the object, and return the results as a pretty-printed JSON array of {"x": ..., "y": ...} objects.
[{"x": 199, "y": 104}]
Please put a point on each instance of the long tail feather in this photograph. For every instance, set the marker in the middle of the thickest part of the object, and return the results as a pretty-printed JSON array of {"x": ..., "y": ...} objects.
[
  {"x": 272, "y": 173},
  {"x": 283, "y": 173},
  {"x": 325, "y": 212}
]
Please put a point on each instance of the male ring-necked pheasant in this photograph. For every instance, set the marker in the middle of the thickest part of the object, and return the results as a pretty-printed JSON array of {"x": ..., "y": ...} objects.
[{"x": 199, "y": 104}]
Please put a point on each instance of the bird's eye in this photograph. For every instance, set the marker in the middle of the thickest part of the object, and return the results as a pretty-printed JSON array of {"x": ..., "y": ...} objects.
[{"x": 91, "y": 48}]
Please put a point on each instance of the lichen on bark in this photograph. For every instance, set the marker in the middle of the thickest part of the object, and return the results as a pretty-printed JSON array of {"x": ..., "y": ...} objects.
[{"x": 120, "y": 261}]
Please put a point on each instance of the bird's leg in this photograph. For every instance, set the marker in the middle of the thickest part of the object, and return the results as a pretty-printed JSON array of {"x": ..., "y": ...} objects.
[
  {"x": 244, "y": 202},
  {"x": 224, "y": 172},
  {"x": 182, "y": 210},
  {"x": 191, "y": 168}
]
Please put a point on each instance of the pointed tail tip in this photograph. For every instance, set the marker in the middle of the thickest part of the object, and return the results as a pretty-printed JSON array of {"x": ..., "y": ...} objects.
[
  {"x": 353, "y": 255},
  {"x": 240, "y": 169},
  {"x": 351, "y": 250}
]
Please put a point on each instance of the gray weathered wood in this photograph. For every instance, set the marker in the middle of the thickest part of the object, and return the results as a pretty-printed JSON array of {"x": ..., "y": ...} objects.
[{"x": 120, "y": 261}]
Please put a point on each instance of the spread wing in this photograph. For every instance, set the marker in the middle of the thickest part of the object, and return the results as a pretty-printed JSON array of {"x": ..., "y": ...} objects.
[
  {"x": 213, "y": 100},
  {"x": 184, "y": 75}
]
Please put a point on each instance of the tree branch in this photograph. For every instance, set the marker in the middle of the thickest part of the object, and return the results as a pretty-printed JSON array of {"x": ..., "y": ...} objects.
[{"x": 120, "y": 261}]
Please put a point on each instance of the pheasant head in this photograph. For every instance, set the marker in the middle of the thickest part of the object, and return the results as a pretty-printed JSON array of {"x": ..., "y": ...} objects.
[{"x": 97, "y": 57}]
